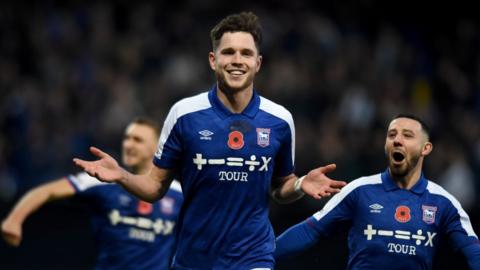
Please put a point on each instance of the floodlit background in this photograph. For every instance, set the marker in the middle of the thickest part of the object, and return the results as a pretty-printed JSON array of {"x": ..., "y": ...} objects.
[{"x": 73, "y": 74}]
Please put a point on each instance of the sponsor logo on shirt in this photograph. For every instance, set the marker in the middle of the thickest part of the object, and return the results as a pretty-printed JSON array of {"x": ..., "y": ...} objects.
[
  {"x": 420, "y": 238},
  {"x": 142, "y": 228},
  {"x": 428, "y": 215},
  {"x": 262, "y": 164},
  {"x": 376, "y": 208},
  {"x": 206, "y": 135},
  {"x": 238, "y": 162},
  {"x": 124, "y": 200}
]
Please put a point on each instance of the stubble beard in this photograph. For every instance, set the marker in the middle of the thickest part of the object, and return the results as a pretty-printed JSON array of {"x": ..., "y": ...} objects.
[
  {"x": 406, "y": 168},
  {"x": 225, "y": 87}
]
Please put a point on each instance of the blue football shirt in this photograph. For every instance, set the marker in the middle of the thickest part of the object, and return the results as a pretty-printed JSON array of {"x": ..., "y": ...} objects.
[
  {"x": 130, "y": 233},
  {"x": 393, "y": 228},
  {"x": 226, "y": 162}
]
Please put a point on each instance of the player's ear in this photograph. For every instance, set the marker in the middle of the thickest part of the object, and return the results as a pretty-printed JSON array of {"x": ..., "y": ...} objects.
[
  {"x": 211, "y": 60},
  {"x": 259, "y": 62},
  {"x": 427, "y": 148}
]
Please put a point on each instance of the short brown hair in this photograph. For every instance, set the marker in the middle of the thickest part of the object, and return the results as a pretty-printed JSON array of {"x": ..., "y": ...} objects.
[
  {"x": 143, "y": 120},
  {"x": 423, "y": 124},
  {"x": 240, "y": 22}
]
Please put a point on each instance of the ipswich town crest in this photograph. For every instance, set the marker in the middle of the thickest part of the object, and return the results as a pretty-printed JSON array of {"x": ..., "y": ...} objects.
[
  {"x": 263, "y": 137},
  {"x": 167, "y": 205},
  {"x": 429, "y": 214}
]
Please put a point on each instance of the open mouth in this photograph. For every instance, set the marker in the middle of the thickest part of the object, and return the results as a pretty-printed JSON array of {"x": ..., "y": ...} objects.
[{"x": 398, "y": 156}]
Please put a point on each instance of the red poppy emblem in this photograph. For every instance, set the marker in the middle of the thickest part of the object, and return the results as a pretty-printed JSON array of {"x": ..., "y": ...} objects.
[
  {"x": 144, "y": 208},
  {"x": 402, "y": 214},
  {"x": 235, "y": 140}
]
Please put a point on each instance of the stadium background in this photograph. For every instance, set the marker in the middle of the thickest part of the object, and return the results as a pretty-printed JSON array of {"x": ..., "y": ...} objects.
[{"x": 73, "y": 73}]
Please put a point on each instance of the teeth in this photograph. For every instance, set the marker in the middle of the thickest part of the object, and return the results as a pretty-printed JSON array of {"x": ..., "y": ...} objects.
[{"x": 236, "y": 72}]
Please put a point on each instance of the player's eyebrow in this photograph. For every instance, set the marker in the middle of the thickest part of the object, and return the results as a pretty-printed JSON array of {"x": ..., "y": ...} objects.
[
  {"x": 408, "y": 131},
  {"x": 243, "y": 50},
  {"x": 227, "y": 50}
]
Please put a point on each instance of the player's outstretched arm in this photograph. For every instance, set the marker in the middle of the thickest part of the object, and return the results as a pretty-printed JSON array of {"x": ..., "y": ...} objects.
[
  {"x": 295, "y": 240},
  {"x": 148, "y": 187},
  {"x": 29, "y": 203},
  {"x": 472, "y": 254},
  {"x": 315, "y": 184}
]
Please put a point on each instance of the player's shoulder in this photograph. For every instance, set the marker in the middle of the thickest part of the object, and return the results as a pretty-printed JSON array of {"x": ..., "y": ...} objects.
[
  {"x": 363, "y": 182},
  {"x": 447, "y": 200},
  {"x": 275, "y": 109},
  {"x": 435, "y": 189},
  {"x": 191, "y": 104},
  {"x": 176, "y": 186},
  {"x": 347, "y": 191}
]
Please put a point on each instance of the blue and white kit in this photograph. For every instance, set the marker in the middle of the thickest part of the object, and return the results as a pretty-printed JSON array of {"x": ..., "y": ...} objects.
[
  {"x": 389, "y": 227},
  {"x": 129, "y": 233},
  {"x": 226, "y": 162}
]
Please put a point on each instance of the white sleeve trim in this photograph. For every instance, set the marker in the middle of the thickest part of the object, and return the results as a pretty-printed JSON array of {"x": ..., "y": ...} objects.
[
  {"x": 181, "y": 108},
  {"x": 338, "y": 198},
  {"x": 83, "y": 181},
  {"x": 176, "y": 186},
  {"x": 282, "y": 113},
  {"x": 464, "y": 218}
]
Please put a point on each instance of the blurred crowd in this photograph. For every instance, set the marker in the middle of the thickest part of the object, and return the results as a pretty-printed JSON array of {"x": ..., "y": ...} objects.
[{"x": 73, "y": 74}]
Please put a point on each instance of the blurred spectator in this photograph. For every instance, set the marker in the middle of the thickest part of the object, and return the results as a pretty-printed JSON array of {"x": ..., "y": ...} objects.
[
  {"x": 457, "y": 178},
  {"x": 343, "y": 70}
]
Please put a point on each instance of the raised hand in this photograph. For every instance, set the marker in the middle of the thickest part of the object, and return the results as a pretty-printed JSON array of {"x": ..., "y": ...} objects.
[
  {"x": 317, "y": 185},
  {"x": 105, "y": 169},
  {"x": 12, "y": 232}
]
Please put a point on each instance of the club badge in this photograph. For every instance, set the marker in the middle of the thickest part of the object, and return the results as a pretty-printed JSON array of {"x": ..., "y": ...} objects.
[
  {"x": 428, "y": 215},
  {"x": 263, "y": 137},
  {"x": 167, "y": 205}
]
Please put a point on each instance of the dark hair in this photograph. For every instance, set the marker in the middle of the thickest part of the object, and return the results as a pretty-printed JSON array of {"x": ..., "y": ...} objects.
[
  {"x": 424, "y": 125},
  {"x": 147, "y": 121},
  {"x": 240, "y": 22}
]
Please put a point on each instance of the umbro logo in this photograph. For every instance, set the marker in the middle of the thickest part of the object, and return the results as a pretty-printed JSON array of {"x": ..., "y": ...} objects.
[
  {"x": 376, "y": 208},
  {"x": 206, "y": 135},
  {"x": 124, "y": 200}
]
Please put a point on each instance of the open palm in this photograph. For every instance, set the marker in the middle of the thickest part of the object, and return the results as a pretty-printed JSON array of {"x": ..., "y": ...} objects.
[
  {"x": 318, "y": 185},
  {"x": 105, "y": 169}
]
